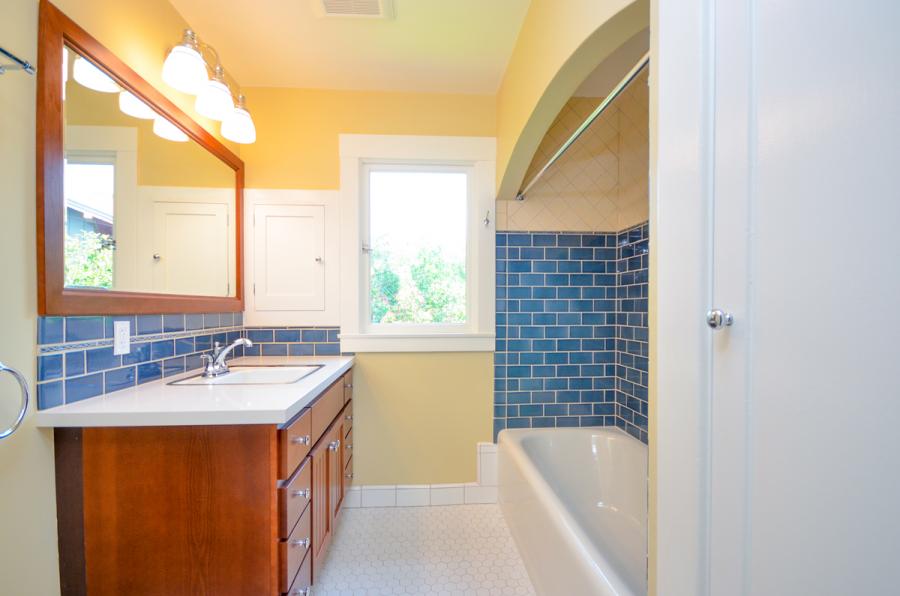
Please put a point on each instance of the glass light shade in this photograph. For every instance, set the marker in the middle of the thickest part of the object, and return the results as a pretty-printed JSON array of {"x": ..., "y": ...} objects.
[
  {"x": 239, "y": 127},
  {"x": 185, "y": 70},
  {"x": 90, "y": 76},
  {"x": 165, "y": 129},
  {"x": 132, "y": 106},
  {"x": 214, "y": 100}
]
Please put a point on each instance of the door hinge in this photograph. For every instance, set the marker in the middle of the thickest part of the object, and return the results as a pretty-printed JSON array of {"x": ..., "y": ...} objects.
[{"x": 254, "y": 289}]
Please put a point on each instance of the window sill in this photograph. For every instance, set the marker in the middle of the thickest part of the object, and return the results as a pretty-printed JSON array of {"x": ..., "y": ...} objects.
[{"x": 436, "y": 342}]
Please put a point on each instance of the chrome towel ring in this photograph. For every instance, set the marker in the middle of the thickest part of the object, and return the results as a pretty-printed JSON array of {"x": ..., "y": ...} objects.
[{"x": 23, "y": 384}]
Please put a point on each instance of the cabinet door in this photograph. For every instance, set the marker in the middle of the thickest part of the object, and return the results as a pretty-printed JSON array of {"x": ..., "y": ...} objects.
[
  {"x": 288, "y": 257},
  {"x": 321, "y": 511},
  {"x": 189, "y": 254},
  {"x": 336, "y": 469}
]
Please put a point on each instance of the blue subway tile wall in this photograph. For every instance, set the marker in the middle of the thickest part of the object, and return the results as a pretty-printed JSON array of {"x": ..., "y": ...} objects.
[
  {"x": 555, "y": 361},
  {"x": 76, "y": 359},
  {"x": 293, "y": 341},
  {"x": 571, "y": 330},
  {"x": 632, "y": 331}
]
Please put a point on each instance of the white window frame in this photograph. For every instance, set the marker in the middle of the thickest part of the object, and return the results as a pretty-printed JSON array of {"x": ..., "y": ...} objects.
[{"x": 360, "y": 154}]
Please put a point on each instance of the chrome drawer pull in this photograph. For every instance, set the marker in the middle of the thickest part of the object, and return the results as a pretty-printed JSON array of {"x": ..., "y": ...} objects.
[
  {"x": 349, "y": 417},
  {"x": 305, "y": 493},
  {"x": 333, "y": 446},
  {"x": 24, "y": 399},
  {"x": 304, "y": 542},
  {"x": 304, "y": 440},
  {"x": 348, "y": 447},
  {"x": 348, "y": 386},
  {"x": 349, "y": 476}
]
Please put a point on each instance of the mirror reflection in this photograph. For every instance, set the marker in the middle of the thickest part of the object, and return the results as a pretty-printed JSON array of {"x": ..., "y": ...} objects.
[{"x": 147, "y": 209}]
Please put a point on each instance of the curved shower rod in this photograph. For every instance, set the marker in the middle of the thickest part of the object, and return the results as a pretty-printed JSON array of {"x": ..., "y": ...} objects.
[{"x": 620, "y": 86}]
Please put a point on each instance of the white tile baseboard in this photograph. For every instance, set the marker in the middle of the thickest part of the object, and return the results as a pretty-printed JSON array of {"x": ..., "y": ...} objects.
[{"x": 484, "y": 491}]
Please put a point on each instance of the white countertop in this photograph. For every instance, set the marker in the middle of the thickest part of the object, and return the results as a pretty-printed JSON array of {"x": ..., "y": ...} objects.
[{"x": 160, "y": 404}]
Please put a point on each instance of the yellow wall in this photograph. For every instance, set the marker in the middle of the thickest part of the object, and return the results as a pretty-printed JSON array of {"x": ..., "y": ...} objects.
[
  {"x": 160, "y": 162},
  {"x": 28, "y": 556},
  {"x": 418, "y": 417},
  {"x": 560, "y": 43},
  {"x": 297, "y": 129}
]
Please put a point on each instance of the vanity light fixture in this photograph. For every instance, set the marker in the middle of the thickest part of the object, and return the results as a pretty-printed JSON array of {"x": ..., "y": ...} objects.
[
  {"x": 92, "y": 77},
  {"x": 134, "y": 107},
  {"x": 214, "y": 100},
  {"x": 238, "y": 126},
  {"x": 165, "y": 129},
  {"x": 185, "y": 68}
]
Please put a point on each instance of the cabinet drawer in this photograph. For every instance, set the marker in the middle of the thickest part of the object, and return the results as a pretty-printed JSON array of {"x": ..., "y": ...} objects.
[
  {"x": 347, "y": 417},
  {"x": 326, "y": 409},
  {"x": 294, "y": 443},
  {"x": 303, "y": 580},
  {"x": 293, "y": 498},
  {"x": 348, "y": 385},
  {"x": 294, "y": 550},
  {"x": 348, "y": 448}
]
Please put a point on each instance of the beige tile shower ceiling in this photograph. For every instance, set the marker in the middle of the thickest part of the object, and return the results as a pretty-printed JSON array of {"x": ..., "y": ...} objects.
[{"x": 600, "y": 184}]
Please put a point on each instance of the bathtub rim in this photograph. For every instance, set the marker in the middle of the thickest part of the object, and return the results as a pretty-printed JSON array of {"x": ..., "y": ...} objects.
[{"x": 551, "y": 502}]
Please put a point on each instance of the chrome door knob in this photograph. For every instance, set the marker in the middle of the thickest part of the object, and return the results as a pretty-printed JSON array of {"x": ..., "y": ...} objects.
[{"x": 719, "y": 319}]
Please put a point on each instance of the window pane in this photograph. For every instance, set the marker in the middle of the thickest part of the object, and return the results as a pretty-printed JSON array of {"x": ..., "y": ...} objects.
[
  {"x": 89, "y": 193},
  {"x": 417, "y": 270}
]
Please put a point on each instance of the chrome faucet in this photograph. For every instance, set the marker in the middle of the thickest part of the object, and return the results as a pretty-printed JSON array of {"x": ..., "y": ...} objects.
[{"x": 214, "y": 365}]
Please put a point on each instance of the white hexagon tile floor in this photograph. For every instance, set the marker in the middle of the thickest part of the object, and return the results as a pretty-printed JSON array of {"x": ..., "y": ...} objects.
[{"x": 460, "y": 549}]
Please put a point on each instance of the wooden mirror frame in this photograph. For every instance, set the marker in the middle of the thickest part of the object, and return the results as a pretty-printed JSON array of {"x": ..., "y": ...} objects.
[{"x": 55, "y": 31}]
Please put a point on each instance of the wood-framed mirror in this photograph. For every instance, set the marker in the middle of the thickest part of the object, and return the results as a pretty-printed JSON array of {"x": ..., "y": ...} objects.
[{"x": 139, "y": 208}]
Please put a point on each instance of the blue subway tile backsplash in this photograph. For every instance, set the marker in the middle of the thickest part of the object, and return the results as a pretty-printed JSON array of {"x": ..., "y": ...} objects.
[
  {"x": 76, "y": 359},
  {"x": 571, "y": 330},
  {"x": 294, "y": 341}
]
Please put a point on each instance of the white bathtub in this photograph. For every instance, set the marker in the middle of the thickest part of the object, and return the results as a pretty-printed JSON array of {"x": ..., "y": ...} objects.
[{"x": 575, "y": 501}]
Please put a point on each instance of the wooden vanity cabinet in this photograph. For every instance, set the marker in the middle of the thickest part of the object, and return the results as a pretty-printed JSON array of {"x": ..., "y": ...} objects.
[{"x": 202, "y": 510}]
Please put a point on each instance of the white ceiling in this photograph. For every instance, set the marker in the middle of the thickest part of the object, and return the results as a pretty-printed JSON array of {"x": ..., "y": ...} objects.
[{"x": 456, "y": 46}]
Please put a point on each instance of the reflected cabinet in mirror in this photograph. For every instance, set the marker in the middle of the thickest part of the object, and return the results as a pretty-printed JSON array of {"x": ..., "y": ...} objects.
[{"x": 139, "y": 207}]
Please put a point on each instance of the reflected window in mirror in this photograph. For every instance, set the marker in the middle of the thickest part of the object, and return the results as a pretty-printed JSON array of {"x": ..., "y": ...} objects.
[{"x": 89, "y": 183}]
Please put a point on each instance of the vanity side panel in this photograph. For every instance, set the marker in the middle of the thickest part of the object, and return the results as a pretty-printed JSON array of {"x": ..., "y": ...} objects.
[
  {"x": 185, "y": 510},
  {"x": 70, "y": 510}
]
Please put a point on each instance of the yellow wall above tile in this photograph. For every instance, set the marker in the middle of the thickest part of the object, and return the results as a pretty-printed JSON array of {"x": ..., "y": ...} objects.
[{"x": 297, "y": 129}]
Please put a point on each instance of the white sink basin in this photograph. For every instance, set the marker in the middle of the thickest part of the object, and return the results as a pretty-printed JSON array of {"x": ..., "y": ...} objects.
[{"x": 254, "y": 375}]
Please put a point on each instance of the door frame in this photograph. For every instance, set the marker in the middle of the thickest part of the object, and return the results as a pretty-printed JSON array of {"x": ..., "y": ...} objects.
[{"x": 682, "y": 185}]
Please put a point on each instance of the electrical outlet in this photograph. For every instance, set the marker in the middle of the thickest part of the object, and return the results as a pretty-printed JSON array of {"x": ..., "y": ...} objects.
[{"x": 122, "y": 335}]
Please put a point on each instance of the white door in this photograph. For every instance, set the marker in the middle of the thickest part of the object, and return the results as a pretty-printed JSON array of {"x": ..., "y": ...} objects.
[
  {"x": 190, "y": 248},
  {"x": 288, "y": 253},
  {"x": 797, "y": 483}
]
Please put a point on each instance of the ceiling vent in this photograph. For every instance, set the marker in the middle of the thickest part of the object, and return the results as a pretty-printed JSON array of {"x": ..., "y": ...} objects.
[{"x": 370, "y": 9}]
